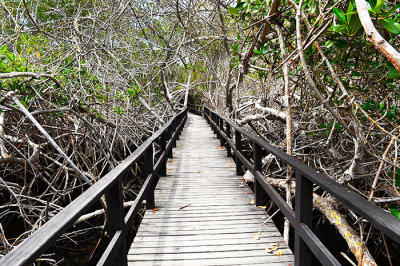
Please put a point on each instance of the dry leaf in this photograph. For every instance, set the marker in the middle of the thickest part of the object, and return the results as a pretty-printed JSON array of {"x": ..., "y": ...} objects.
[
  {"x": 251, "y": 202},
  {"x": 262, "y": 207},
  {"x": 274, "y": 247},
  {"x": 256, "y": 235},
  {"x": 249, "y": 192},
  {"x": 198, "y": 171},
  {"x": 155, "y": 210},
  {"x": 184, "y": 206},
  {"x": 279, "y": 253}
]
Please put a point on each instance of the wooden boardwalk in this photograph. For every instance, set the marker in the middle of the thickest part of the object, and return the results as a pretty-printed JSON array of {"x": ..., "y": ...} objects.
[{"x": 205, "y": 215}]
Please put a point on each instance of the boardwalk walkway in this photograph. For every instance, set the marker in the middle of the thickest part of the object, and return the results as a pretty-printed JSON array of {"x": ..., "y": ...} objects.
[{"x": 205, "y": 216}]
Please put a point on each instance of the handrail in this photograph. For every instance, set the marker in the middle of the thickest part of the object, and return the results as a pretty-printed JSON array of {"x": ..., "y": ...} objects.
[
  {"x": 306, "y": 242},
  {"x": 111, "y": 186}
]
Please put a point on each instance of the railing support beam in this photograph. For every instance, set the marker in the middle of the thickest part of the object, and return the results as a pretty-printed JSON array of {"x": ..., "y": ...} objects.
[
  {"x": 163, "y": 147},
  {"x": 259, "y": 192},
  {"x": 304, "y": 206},
  {"x": 148, "y": 169},
  {"x": 228, "y": 135},
  {"x": 238, "y": 147},
  {"x": 115, "y": 217}
]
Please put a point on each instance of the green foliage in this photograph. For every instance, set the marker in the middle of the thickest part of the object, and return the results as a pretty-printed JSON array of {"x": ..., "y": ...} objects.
[
  {"x": 397, "y": 178},
  {"x": 390, "y": 25},
  {"x": 350, "y": 22},
  {"x": 395, "y": 212},
  {"x": 10, "y": 62},
  {"x": 118, "y": 110}
]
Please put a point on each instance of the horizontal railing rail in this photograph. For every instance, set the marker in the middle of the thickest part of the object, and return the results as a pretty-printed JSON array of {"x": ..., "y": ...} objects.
[
  {"x": 118, "y": 224},
  {"x": 306, "y": 242}
]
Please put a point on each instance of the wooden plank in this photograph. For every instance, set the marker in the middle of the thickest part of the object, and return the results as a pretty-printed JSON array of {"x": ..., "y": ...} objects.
[
  {"x": 167, "y": 232},
  {"x": 205, "y": 215},
  {"x": 239, "y": 261},
  {"x": 207, "y": 248},
  {"x": 207, "y": 226},
  {"x": 266, "y": 257},
  {"x": 209, "y": 242}
]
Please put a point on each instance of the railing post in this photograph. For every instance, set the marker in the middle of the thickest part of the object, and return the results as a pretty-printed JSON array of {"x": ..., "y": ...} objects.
[
  {"x": 304, "y": 206},
  {"x": 177, "y": 122},
  {"x": 214, "y": 120},
  {"x": 174, "y": 126},
  {"x": 221, "y": 126},
  {"x": 238, "y": 147},
  {"x": 259, "y": 192},
  {"x": 163, "y": 147},
  {"x": 169, "y": 138},
  {"x": 217, "y": 122},
  {"x": 115, "y": 218},
  {"x": 148, "y": 169},
  {"x": 228, "y": 135}
]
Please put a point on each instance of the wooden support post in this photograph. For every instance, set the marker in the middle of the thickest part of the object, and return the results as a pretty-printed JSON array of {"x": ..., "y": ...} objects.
[
  {"x": 304, "y": 206},
  {"x": 115, "y": 218},
  {"x": 218, "y": 123},
  {"x": 214, "y": 120},
  {"x": 169, "y": 138},
  {"x": 259, "y": 192},
  {"x": 238, "y": 147},
  {"x": 173, "y": 129},
  {"x": 177, "y": 122},
  {"x": 228, "y": 135},
  {"x": 148, "y": 169},
  {"x": 221, "y": 126},
  {"x": 163, "y": 147}
]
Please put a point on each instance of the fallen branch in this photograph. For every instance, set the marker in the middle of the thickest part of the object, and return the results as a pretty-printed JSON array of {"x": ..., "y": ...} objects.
[{"x": 30, "y": 74}]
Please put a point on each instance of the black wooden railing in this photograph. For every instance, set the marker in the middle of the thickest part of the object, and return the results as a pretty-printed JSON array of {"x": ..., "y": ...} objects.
[
  {"x": 118, "y": 224},
  {"x": 306, "y": 242}
]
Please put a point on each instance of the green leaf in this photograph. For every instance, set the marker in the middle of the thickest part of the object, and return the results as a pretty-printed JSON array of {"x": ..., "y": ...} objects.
[
  {"x": 3, "y": 49},
  {"x": 391, "y": 25},
  {"x": 351, "y": 13},
  {"x": 393, "y": 74},
  {"x": 3, "y": 66},
  {"x": 354, "y": 25},
  {"x": 241, "y": 5},
  {"x": 233, "y": 11},
  {"x": 10, "y": 57},
  {"x": 340, "y": 44},
  {"x": 395, "y": 212},
  {"x": 339, "y": 14},
  {"x": 257, "y": 52},
  {"x": 313, "y": 7},
  {"x": 329, "y": 44},
  {"x": 397, "y": 176},
  {"x": 341, "y": 29},
  {"x": 379, "y": 4}
]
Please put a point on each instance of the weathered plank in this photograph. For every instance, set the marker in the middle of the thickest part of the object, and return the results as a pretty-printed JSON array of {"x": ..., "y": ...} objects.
[{"x": 204, "y": 213}]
